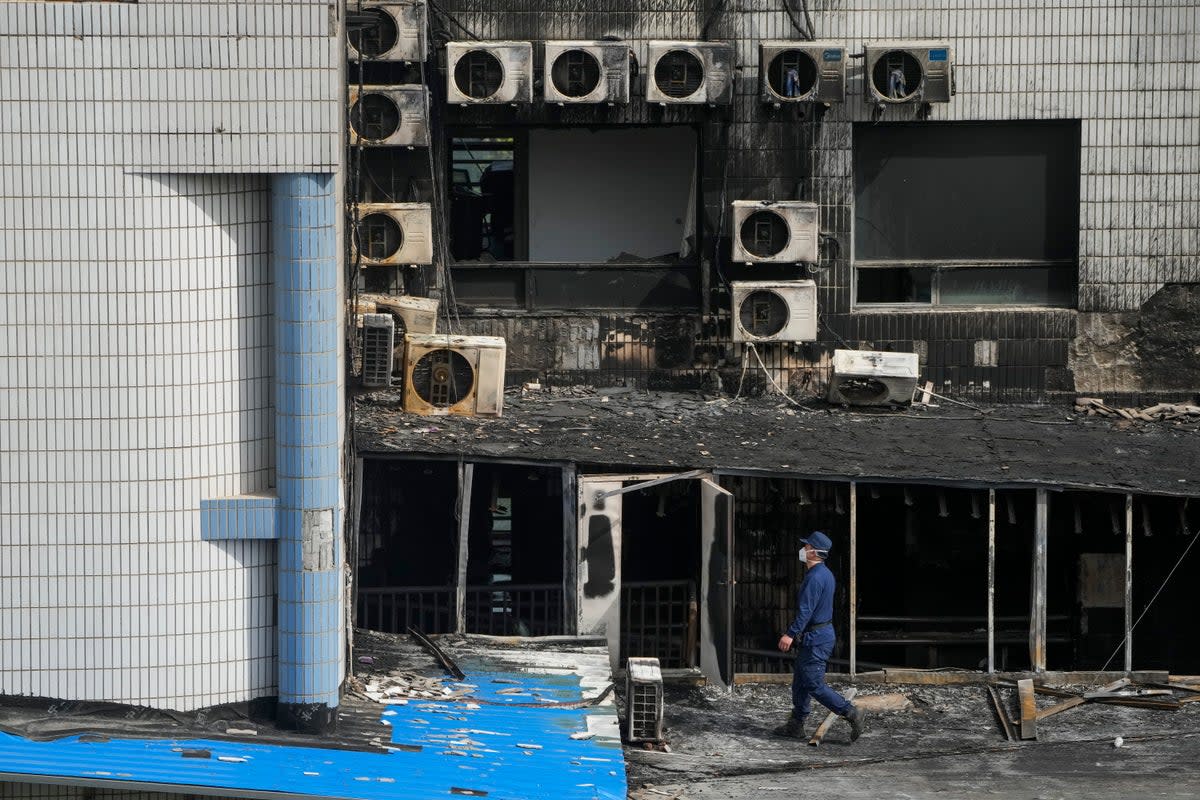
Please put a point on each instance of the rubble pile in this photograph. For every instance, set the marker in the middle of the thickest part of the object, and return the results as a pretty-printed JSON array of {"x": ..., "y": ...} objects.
[
  {"x": 399, "y": 686},
  {"x": 1162, "y": 412}
]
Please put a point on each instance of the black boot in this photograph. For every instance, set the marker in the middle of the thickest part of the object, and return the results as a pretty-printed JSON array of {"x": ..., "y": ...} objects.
[
  {"x": 792, "y": 729},
  {"x": 856, "y": 717}
]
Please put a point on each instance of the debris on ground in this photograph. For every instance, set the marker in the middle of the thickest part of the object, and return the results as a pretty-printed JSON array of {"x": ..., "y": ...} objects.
[{"x": 1160, "y": 412}]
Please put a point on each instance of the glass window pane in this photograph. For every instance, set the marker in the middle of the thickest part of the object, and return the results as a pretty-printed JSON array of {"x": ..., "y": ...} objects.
[
  {"x": 1051, "y": 286},
  {"x": 894, "y": 285}
]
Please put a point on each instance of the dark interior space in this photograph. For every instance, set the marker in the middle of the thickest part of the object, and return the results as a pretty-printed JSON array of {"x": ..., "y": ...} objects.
[
  {"x": 660, "y": 573},
  {"x": 771, "y": 514},
  {"x": 407, "y": 546},
  {"x": 1085, "y": 566},
  {"x": 1164, "y": 531},
  {"x": 515, "y": 551},
  {"x": 922, "y": 577},
  {"x": 1016, "y": 512}
]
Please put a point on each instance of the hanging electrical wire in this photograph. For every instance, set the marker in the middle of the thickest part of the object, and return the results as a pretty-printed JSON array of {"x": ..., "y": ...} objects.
[
  {"x": 806, "y": 29},
  {"x": 713, "y": 13}
]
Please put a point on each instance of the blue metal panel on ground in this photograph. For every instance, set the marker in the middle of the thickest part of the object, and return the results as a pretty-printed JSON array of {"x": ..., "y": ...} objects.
[{"x": 487, "y": 744}]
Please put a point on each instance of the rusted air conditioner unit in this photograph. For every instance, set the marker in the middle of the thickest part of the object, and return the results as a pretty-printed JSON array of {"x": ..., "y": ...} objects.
[
  {"x": 378, "y": 344},
  {"x": 869, "y": 378},
  {"x": 393, "y": 234},
  {"x": 586, "y": 72},
  {"x": 775, "y": 232},
  {"x": 489, "y": 72},
  {"x": 445, "y": 374},
  {"x": 690, "y": 73},
  {"x": 415, "y": 314},
  {"x": 909, "y": 72},
  {"x": 774, "y": 311},
  {"x": 800, "y": 72},
  {"x": 387, "y": 31},
  {"x": 389, "y": 116}
]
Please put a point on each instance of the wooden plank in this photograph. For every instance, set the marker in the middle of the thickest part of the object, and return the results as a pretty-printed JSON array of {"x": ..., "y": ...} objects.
[
  {"x": 1028, "y": 709},
  {"x": 466, "y": 478},
  {"x": 884, "y": 702},
  {"x": 1006, "y": 726},
  {"x": 853, "y": 577},
  {"x": 1128, "y": 583},
  {"x": 827, "y": 723},
  {"x": 1078, "y": 701},
  {"x": 1037, "y": 621},
  {"x": 991, "y": 587}
]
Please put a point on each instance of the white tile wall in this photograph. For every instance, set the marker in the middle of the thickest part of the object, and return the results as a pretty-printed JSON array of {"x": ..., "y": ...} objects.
[{"x": 135, "y": 334}]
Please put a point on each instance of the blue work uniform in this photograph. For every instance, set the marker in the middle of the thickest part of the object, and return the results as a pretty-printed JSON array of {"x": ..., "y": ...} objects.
[{"x": 813, "y": 631}]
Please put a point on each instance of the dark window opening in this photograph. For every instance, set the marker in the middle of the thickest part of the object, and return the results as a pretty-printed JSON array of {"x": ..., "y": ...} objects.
[
  {"x": 407, "y": 546},
  {"x": 1164, "y": 529},
  {"x": 660, "y": 574},
  {"x": 479, "y": 74},
  {"x": 770, "y": 515},
  {"x": 372, "y": 32},
  {"x": 575, "y": 73},
  {"x": 679, "y": 74},
  {"x": 967, "y": 214},
  {"x": 792, "y": 73},
  {"x": 515, "y": 552},
  {"x": 1016, "y": 516},
  {"x": 574, "y": 196}
]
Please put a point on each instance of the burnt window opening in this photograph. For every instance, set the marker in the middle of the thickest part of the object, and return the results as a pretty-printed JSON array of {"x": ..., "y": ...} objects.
[
  {"x": 479, "y": 74},
  {"x": 966, "y": 214},
  {"x": 443, "y": 378},
  {"x": 897, "y": 75},
  {"x": 679, "y": 74},
  {"x": 792, "y": 73},
  {"x": 764, "y": 313},
  {"x": 575, "y": 73},
  {"x": 619, "y": 195},
  {"x": 1163, "y": 530},
  {"x": 765, "y": 234},
  {"x": 372, "y": 32},
  {"x": 374, "y": 117},
  {"x": 515, "y": 554},
  {"x": 379, "y": 236}
]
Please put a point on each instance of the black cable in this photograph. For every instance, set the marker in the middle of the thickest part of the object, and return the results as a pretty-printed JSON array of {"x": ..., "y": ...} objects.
[
  {"x": 791, "y": 12},
  {"x": 812, "y": 31},
  {"x": 450, "y": 17}
]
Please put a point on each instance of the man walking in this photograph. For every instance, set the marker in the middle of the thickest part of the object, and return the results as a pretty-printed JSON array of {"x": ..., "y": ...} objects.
[{"x": 813, "y": 628}]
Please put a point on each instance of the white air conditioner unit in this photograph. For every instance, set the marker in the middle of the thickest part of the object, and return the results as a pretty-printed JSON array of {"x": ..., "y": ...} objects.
[
  {"x": 389, "y": 116},
  {"x": 775, "y": 232},
  {"x": 446, "y": 374},
  {"x": 868, "y": 378},
  {"x": 586, "y": 72},
  {"x": 387, "y": 31},
  {"x": 393, "y": 234},
  {"x": 643, "y": 700},
  {"x": 489, "y": 72},
  {"x": 798, "y": 72},
  {"x": 378, "y": 342},
  {"x": 909, "y": 72},
  {"x": 774, "y": 311},
  {"x": 416, "y": 314},
  {"x": 689, "y": 73}
]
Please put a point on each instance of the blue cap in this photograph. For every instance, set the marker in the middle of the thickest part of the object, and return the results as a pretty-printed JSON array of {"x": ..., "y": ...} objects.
[{"x": 818, "y": 540}]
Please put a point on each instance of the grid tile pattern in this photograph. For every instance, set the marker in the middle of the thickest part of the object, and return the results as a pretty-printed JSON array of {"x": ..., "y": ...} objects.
[{"x": 246, "y": 517}]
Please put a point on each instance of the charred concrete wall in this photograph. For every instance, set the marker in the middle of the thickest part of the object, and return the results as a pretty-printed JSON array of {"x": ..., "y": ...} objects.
[{"x": 1120, "y": 70}]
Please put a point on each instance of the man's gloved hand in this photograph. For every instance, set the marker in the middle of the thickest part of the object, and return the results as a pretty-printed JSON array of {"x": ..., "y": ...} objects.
[{"x": 785, "y": 643}]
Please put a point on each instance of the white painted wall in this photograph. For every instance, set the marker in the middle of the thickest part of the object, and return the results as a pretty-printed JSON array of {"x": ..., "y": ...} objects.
[
  {"x": 135, "y": 334},
  {"x": 628, "y": 192}
]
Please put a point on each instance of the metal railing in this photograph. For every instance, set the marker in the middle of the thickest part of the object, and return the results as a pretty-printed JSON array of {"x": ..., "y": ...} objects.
[
  {"x": 393, "y": 609},
  {"x": 660, "y": 619},
  {"x": 515, "y": 610}
]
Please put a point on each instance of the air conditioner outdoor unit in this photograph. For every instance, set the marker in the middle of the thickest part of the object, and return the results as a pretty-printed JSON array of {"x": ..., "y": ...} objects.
[
  {"x": 445, "y": 374},
  {"x": 389, "y": 116},
  {"x": 868, "y": 378},
  {"x": 775, "y": 232},
  {"x": 586, "y": 72},
  {"x": 643, "y": 700},
  {"x": 416, "y": 314},
  {"x": 378, "y": 342},
  {"x": 909, "y": 72},
  {"x": 489, "y": 72},
  {"x": 387, "y": 31},
  {"x": 690, "y": 73},
  {"x": 774, "y": 311},
  {"x": 393, "y": 234},
  {"x": 798, "y": 72}
]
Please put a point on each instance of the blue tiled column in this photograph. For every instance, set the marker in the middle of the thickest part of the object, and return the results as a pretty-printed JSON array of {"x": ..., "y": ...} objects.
[{"x": 307, "y": 453}]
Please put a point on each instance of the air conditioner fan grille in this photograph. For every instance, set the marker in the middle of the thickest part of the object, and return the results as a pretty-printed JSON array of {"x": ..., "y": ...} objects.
[
  {"x": 679, "y": 74},
  {"x": 379, "y": 236},
  {"x": 372, "y": 32},
  {"x": 576, "y": 73},
  {"x": 479, "y": 74},
  {"x": 763, "y": 313},
  {"x": 897, "y": 75},
  {"x": 792, "y": 74},
  {"x": 443, "y": 378},
  {"x": 764, "y": 234},
  {"x": 375, "y": 117}
]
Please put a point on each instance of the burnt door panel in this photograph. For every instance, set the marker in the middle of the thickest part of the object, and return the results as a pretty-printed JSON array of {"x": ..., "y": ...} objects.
[{"x": 716, "y": 585}]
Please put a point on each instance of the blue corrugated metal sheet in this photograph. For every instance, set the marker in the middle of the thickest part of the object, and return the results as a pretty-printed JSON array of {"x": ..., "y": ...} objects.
[{"x": 492, "y": 748}]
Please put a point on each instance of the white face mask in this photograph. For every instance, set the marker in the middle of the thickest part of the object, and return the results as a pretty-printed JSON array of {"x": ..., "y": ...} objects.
[{"x": 804, "y": 554}]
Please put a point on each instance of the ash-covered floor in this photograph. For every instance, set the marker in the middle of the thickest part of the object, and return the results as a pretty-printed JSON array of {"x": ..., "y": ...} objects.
[{"x": 947, "y": 745}]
